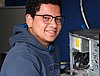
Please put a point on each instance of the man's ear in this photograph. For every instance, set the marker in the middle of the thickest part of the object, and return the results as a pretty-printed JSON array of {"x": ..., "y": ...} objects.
[{"x": 29, "y": 20}]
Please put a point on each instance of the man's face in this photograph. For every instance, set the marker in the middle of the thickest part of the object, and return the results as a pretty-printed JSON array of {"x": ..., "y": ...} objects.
[{"x": 42, "y": 31}]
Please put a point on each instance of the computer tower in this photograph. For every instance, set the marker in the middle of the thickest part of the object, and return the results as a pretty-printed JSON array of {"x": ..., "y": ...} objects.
[{"x": 85, "y": 51}]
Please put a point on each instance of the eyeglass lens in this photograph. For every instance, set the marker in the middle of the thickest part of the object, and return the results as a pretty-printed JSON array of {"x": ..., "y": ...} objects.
[{"x": 49, "y": 18}]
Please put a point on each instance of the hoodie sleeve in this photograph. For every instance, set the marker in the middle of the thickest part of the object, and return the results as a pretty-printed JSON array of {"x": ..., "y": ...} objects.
[{"x": 20, "y": 66}]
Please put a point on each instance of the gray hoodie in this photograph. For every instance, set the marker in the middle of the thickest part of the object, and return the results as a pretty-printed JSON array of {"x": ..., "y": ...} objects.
[{"x": 27, "y": 57}]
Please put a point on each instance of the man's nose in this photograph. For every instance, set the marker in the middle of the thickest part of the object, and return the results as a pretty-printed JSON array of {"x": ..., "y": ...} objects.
[{"x": 53, "y": 23}]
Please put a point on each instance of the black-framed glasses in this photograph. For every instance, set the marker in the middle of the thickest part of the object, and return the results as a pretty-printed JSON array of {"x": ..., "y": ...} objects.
[{"x": 48, "y": 18}]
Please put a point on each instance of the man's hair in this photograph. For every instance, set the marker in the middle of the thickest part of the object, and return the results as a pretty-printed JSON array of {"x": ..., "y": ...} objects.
[{"x": 32, "y": 6}]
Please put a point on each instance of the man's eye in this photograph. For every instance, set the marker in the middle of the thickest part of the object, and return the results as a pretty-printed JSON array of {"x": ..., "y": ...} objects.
[
  {"x": 46, "y": 18},
  {"x": 58, "y": 19}
]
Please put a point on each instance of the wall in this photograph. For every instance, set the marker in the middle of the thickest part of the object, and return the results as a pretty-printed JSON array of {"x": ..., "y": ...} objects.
[{"x": 9, "y": 16}]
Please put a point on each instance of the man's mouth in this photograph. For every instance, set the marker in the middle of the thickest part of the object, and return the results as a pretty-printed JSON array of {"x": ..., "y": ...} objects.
[{"x": 51, "y": 32}]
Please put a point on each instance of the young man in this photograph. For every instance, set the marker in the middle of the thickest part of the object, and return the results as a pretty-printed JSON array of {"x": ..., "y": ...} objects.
[{"x": 33, "y": 52}]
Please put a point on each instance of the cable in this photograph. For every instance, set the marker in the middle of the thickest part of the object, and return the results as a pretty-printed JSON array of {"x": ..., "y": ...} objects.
[{"x": 83, "y": 15}]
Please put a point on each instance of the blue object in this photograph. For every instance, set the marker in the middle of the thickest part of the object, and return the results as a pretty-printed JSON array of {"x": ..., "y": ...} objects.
[{"x": 83, "y": 27}]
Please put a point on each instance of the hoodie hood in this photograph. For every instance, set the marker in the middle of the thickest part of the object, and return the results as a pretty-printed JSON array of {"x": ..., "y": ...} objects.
[{"x": 20, "y": 34}]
